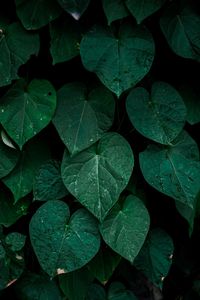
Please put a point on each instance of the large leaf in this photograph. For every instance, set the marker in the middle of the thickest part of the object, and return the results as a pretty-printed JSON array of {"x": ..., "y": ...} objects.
[
  {"x": 16, "y": 47},
  {"x": 159, "y": 116},
  {"x": 104, "y": 264},
  {"x": 81, "y": 278},
  {"x": 8, "y": 159},
  {"x": 181, "y": 28},
  {"x": 63, "y": 244},
  {"x": 117, "y": 291},
  {"x": 20, "y": 180},
  {"x": 98, "y": 175},
  {"x": 33, "y": 286},
  {"x": 155, "y": 257},
  {"x": 65, "y": 38},
  {"x": 36, "y": 13},
  {"x": 10, "y": 213},
  {"x": 125, "y": 227},
  {"x": 174, "y": 171},
  {"x": 81, "y": 118},
  {"x": 110, "y": 56},
  {"x": 74, "y": 7},
  {"x": 143, "y": 9},
  {"x": 48, "y": 183},
  {"x": 27, "y": 109},
  {"x": 115, "y": 10}
]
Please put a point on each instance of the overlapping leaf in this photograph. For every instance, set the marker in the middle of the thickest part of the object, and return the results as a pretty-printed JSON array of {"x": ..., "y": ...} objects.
[{"x": 74, "y": 7}]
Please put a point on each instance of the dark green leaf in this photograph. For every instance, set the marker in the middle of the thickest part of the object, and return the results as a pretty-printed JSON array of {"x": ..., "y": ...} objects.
[
  {"x": 117, "y": 291},
  {"x": 125, "y": 228},
  {"x": 74, "y": 7},
  {"x": 37, "y": 287},
  {"x": 109, "y": 56},
  {"x": 8, "y": 159},
  {"x": 63, "y": 244},
  {"x": 96, "y": 292},
  {"x": 48, "y": 183},
  {"x": 20, "y": 180},
  {"x": 26, "y": 109},
  {"x": 104, "y": 264},
  {"x": 80, "y": 279},
  {"x": 115, "y": 10},
  {"x": 181, "y": 28},
  {"x": 65, "y": 40},
  {"x": 155, "y": 257},
  {"x": 143, "y": 9},
  {"x": 35, "y": 14},
  {"x": 15, "y": 241},
  {"x": 159, "y": 116},
  {"x": 98, "y": 175},
  {"x": 81, "y": 118},
  {"x": 16, "y": 47}
]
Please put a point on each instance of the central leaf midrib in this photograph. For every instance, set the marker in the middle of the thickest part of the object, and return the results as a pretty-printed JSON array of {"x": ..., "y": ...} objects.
[{"x": 79, "y": 125}]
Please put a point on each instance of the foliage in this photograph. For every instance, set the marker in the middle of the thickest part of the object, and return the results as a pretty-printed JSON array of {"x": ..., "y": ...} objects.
[{"x": 99, "y": 156}]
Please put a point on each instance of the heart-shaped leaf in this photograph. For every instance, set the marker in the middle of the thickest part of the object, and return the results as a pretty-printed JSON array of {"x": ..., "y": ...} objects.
[
  {"x": 63, "y": 244},
  {"x": 74, "y": 7},
  {"x": 159, "y": 116},
  {"x": 82, "y": 118},
  {"x": 16, "y": 47},
  {"x": 125, "y": 228},
  {"x": 26, "y": 110},
  {"x": 35, "y": 14},
  {"x": 119, "y": 61},
  {"x": 98, "y": 175}
]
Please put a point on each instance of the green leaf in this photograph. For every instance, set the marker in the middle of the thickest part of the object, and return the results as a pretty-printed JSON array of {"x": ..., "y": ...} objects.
[
  {"x": 26, "y": 110},
  {"x": 143, "y": 9},
  {"x": 63, "y": 244},
  {"x": 109, "y": 56},
  {"x": 33, "y": 286},
  {"x": 181, "y": 28},
  {"x": 81, "y": 278},
  {"x": 16, "y": 47},
  {"x": 115, "y": 10},
  {"x": 96, "y": 292},
  {"x": 35, "y": 14},
  {"x": 98, "y": 175},
  {"x": 65, "y": 40},
  {"x": 74, "y": 7},
  {"x": 20, "y": 180},
  {"x": 15, "y": 241},
  {"x": 125, "y": 227},
  {"x": 48, "y": 183},
  {"x": 8, "y": 159},
  {"x": 81, "y": 118},
  {"x": 174, "y": 171},
  {"x": 104, "y": 264},
  {"x": 159, "y": 116},
  {"x": 155, "y": 257},
  {"x": 117, "y": 291},
  {"x": 10, "y": 213},
  {"x": 191, "y": 95}
]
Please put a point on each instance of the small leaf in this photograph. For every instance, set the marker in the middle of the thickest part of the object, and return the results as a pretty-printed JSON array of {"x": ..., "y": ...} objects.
[
  {"x": 155, "y": 257},
  {"x": 98, "y": 175},
  {"x": 143, "y": 9},
  {"x": 35, "y": 14},
  {"x": 181, "y": 28},
  {"x": 65, "y": 40},
  {"x": 20, "y": 180},
  {"x": 16, "y": 47},
  {"x": 81, "y": 278},
  {"x": 15, "y": 241},
  {"x": 104, "y": 264},
  {"x": 109, "y": 56},
  {"x": 117, "y": 291},
  {"x": 63, "y": 244},
  {"x": 82, "y": 118},
  {"x": 48, "y": 183},
  {"x": 115, "y": 10},
  {"x": 96, "y": 292},
  {"x": 125, "y": 228},
  {"x": 6, "y": 140},
  {"x": 74, "y": 7},
  {"x": 159, "y": 116},
  {"x": 8, "y": 159}
]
